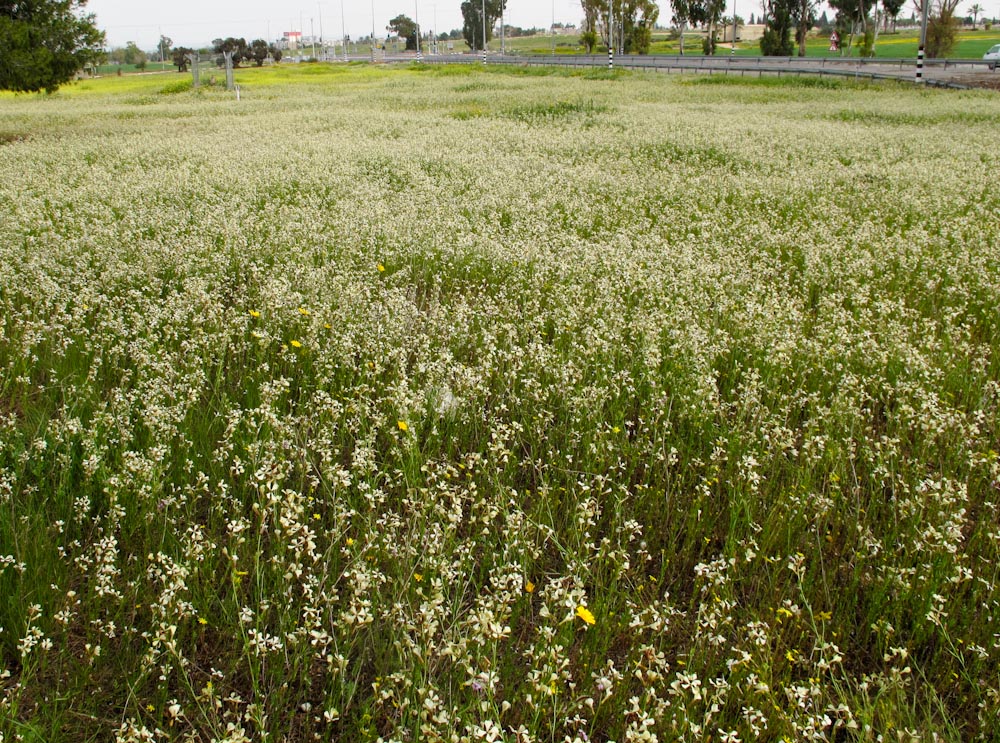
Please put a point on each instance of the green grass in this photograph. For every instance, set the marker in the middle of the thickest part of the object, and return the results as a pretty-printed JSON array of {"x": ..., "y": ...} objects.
[
  {"x": 325, "y": 413},
  {"x": 971, "y": 45}
]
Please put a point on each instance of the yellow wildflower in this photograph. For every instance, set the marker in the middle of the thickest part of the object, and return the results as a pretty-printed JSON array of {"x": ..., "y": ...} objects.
[
  {"x": 254, "y": 313},
  {"x": 402, "y": 426},
  {"x": 529, "y": 587},
  {"x": 381, "y": 268},
  {"x": 295, "y": 344},
  {"x": 585, "y": 614},
  {"x": 303, "y": 311}
]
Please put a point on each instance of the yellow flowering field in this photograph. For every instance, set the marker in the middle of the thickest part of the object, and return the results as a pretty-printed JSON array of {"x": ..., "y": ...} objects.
[{"x": 453, "y": 404}]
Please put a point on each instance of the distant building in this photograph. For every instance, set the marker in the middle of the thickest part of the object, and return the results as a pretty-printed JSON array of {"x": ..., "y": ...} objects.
[
  {"x": 748, "y": 32},
  {"x": 290, "y": 40}
]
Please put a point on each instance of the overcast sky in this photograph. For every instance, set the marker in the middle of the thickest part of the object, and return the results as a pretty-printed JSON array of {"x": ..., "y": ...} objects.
[{"x": 196, "y": 23}]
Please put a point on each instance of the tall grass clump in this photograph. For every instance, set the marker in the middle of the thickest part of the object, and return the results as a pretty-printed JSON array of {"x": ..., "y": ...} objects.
[{"x": 384, "y": 406}]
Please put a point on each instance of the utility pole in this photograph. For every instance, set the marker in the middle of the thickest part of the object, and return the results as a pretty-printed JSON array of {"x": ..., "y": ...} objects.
[
  {"x": 611, "y": 45},
  {"x": 923, "y": 41},
  {"x": 312, "y": 37},
  {"x": 484, "y": 31},
  {"x": 373, "y": 32},
  {"x": 503, "y": 39},
  {"x": 343, "y": 30},
  {"x": 553, "y": 28},
  {"x": 322, "y": 49},
  {"x": 416, "y": 21}
]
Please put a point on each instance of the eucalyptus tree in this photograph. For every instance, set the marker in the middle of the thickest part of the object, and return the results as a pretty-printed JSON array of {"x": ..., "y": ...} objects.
[
  {"x": 633, "y": 20},
  {"x": 472, "y": 21}
]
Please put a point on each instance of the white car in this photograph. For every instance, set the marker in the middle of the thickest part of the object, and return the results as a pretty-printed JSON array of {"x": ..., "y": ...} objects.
[{"x": 993, "y": 56}]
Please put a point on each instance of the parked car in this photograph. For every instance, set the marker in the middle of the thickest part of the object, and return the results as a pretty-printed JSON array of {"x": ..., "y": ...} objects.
[{"x": 993, "y": 56}]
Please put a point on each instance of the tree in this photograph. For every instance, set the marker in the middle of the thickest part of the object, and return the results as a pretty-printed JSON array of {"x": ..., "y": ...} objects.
[
  {"x": 708, "y": 13},
  {"x": 405, "y": 27},
  {"x": 853, "y": 18},
  {"x": 238, "y": 48},
  {"x": 779, "y": 19},
  {"x": 805, "y": 20},
  {"x": 942, "y": 29},
  {"x": 133, "y": 55},
  {"x": 164, "y": 47},
  {"x": 976, "y": 10},
  {"x": 641, "y": 17},
  {"x": 44, "y": 43},
  {"x": 259, "y": 50},
  {"x": 634, "y": 22},
  {"x": 179, "y": 58},
  {"x": 892, "y": 10},
  {"x": 681, "y": 18},
  {"x": 472, "y": 21},
  {"x": 588, "y": 35}
]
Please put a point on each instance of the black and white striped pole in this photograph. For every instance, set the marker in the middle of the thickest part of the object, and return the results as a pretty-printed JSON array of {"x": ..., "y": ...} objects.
[
  {"x": 484, "y": 31},
  {"x": 611, "y": 44},
  {"x": 923, "y": 43}
]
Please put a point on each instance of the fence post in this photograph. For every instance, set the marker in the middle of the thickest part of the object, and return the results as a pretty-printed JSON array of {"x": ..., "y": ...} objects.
[{"x": 193, "y": 59}]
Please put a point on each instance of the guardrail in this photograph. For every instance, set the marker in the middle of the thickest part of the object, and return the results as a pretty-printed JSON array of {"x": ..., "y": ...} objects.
[{"x": 854, "y": 67}]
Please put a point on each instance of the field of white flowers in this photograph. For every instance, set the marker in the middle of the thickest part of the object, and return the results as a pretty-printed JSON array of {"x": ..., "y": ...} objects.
[{"x": 460, "y": 405}]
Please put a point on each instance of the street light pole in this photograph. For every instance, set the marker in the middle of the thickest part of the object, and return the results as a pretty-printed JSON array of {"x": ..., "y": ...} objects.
[
  {"x": 373, "y": 32},
  {"x": 484, "y": 31}
]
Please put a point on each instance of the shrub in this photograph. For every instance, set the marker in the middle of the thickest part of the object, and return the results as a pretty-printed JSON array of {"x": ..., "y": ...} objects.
[{"x": 942, "y": 33}]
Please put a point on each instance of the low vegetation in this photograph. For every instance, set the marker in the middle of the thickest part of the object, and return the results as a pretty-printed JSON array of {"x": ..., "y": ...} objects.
[{"x": 625, "y": 409}]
